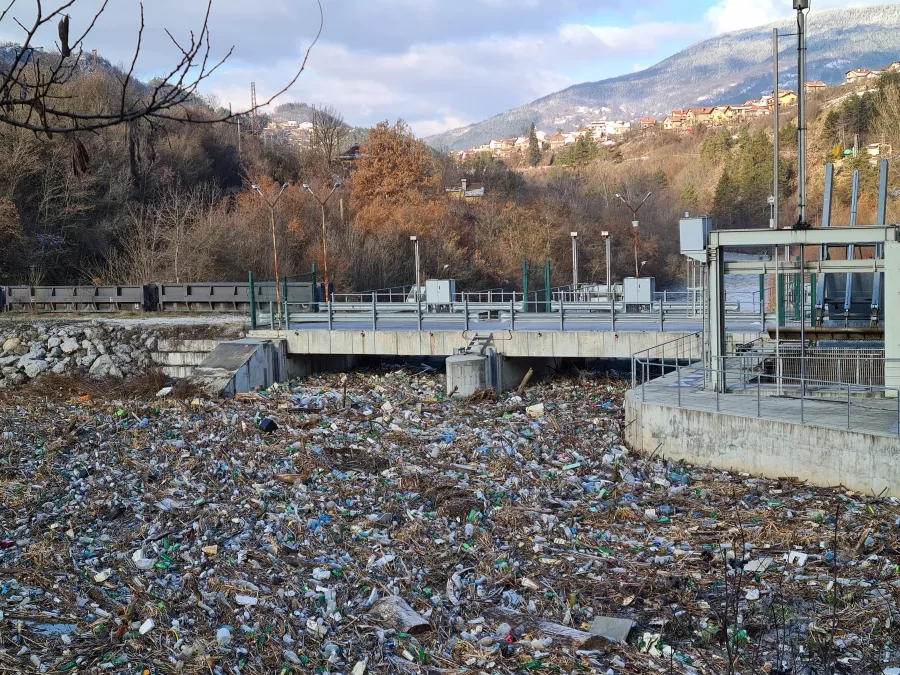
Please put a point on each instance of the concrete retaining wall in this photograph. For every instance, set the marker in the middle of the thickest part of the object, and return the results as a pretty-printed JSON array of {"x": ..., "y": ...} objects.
[
  {"x": 178, "y": 358},
  {"x": 826, "y": 457}
]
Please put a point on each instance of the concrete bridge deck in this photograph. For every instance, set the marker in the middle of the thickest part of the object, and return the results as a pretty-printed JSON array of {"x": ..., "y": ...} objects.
[{"x": 589, "y": 344}]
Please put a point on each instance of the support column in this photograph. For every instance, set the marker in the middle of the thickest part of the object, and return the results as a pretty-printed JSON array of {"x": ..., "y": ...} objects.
[
  {"x": 892, "y": 314},
  {"x": 717, "y": 317}
]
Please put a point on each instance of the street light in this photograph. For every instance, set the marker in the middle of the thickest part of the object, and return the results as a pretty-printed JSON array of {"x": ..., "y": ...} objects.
[
  {"x": 415, "y": 241},
  {"x": 605, "y": 235},
  {"x": 336, "y": 183},
  {"x": 272, "y": 204},
  {"x": 574, "y": 236},
  {"x": 634, "y": 224}
]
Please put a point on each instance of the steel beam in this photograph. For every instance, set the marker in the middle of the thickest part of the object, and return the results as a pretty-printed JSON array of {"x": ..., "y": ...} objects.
[
  {"x": 717, "y": 317},
  {"x": 879, "y": 249},
  {"x": 812, "y": 267},
  {"x": 831, "y": 236}
]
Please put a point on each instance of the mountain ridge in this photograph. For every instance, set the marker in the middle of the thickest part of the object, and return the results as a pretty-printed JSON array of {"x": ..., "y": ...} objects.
[{"x": 728, "y": 68}]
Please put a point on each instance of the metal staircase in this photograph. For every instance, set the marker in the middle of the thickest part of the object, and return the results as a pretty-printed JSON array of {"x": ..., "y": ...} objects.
[{"x": 478, "y": 344}]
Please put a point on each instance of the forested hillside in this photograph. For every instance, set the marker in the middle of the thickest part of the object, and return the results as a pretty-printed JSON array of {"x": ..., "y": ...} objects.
[{"x": 167, "y": 201}]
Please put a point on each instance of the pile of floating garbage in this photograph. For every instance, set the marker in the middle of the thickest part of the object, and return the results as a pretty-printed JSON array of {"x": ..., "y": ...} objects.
[{"x": 363, "y": 523}]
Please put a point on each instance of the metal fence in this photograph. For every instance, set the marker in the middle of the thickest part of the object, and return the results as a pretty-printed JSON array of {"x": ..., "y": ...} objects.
[
  {"x": 513, "y": 314},
  {"x": 748, "y": 382}
]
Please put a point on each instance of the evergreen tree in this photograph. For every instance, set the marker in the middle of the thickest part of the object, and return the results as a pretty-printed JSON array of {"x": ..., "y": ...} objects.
[
  {"x": 726, "y": 200},
  {"x": 534, "y": 148}
]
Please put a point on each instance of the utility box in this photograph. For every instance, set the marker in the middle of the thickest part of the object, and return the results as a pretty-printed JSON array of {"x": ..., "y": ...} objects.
[
  {"x": 695, "y": 237},
  {"x": 639, "y": 291},
  {"x": 440, "y": 291}
]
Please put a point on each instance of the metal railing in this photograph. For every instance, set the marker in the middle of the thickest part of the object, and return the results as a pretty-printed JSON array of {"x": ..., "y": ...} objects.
[
  {"x": 747, "y": 384},
  {"x": 512, "y": 314}
]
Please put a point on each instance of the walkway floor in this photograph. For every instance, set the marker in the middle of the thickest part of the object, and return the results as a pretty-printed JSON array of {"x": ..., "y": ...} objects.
[{"x": 880, "y": 416}]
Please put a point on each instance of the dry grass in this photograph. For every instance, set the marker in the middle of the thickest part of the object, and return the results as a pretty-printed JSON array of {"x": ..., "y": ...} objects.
[{"x": 60, "y": 387}]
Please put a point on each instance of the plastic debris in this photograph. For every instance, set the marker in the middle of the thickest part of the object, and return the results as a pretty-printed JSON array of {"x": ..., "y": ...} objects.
[{"x": 388, "y": 528}]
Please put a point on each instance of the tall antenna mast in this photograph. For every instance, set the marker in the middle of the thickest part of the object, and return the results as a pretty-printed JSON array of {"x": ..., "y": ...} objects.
[
  {"x": 253, "y": 118},
  {"x": 801, "y": 6}
]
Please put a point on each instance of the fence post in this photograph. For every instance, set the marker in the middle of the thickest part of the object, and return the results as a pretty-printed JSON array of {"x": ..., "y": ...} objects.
[
  {"x": 284, "y": 298},
  {"x": 419, "y": 314},
  {"x": 271, "y": 315},
  {"x": 562, "y": 324},
  {"x": 374, "y": 314},
  {"x": 612, "y": 312},
  {"x": 678, "y": 375},
  {"x": 330, "y": 315},
  {"x": 645, "y": 369},
  {"x": 252, "y": 302},
  {"x": 661, "y": 303},
  {"x": 465, "y": 312},
  {"x": 512, "y": 313},
  {"x": 848, "y": 406},
  {"x": 758, "y": 401}
]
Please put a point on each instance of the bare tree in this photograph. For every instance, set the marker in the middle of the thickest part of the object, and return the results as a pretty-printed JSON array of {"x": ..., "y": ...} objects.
[
  {"x": 328, "y": 135},
  {"x": 36, "y": 91}
]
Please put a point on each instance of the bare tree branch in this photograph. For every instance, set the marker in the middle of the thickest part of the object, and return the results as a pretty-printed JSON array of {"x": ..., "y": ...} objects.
[{"x": 34, "y": 86}]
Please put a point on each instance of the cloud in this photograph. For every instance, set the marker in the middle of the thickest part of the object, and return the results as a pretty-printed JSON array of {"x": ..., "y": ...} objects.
[
  {"x": 435, "y": 63},
  {"x": 730, "y": 15},
  {"x": 440, "y": 85}
]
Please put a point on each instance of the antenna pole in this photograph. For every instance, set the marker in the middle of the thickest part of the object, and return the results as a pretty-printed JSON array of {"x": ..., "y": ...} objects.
[
  {"x": 801, "y": 6},
  {"x": 254, "y": 120},
  {"x": 775, "y": 192}
]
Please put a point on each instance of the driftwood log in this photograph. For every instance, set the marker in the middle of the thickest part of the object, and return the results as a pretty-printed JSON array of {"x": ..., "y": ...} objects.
[
  {"x": 571, "y": 637},
  {"x": 394, "y": 611}
]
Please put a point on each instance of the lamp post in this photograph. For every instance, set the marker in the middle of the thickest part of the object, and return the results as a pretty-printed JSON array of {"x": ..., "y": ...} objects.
[
  {"x": 322, "y": 202},
  {"x": 635, "y": 224},
  {"x": 415, "y": 241},
  {"x": 574, "y": 236},
  {"x": 272, "y": 204},
  {"x": 605, "y": 235}
]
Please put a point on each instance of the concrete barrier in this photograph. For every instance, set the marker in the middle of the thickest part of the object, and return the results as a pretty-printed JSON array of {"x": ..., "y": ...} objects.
[{"x": 867, "y": 463}]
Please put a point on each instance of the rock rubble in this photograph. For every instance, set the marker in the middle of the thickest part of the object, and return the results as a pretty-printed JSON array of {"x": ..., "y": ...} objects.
[{"x": 27, "y": 350}]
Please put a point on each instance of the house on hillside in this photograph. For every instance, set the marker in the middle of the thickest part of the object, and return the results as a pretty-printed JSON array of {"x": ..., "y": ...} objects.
[
  {"x": 677, "y": 122},
  {"x": 470, "y": 193},
  {"x": 617, "y": 128},
  {"x": 557, "y": 140},
  {"x": 648, "y": 122},
  {"x": 722, "y": 114},
  {"x": 700, "y": 116},
  {"x": 812, "y": 87},
  {"x": 787, "y": 98},
  {"x": 858, "y": 74}
]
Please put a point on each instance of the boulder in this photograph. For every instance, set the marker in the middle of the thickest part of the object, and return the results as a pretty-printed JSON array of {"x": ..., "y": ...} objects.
[
  {"x": 53, "y": 342},
  {"x": 32, "y": 356},
  {"x": 88, "y": 346},
  {"x": 15, "y": 379},
  {"x": 35, "y": 368},
  {"x": 61, "y": 367},
  {"x": 11, "y": 344},
  {"x": 69, "y": 346},
  {"x": 86, "y": 360},
  {"x": 8, "y": 360},
  {"x": 9, "y": 370},
  {"x": 150, "y": 343},
  {"x": 100, "y": 346},
  {"x": 103, "y": 366}
]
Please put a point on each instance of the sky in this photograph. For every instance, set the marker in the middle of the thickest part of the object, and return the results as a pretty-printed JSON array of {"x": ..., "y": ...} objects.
[{"x": 438, "y": 64}]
